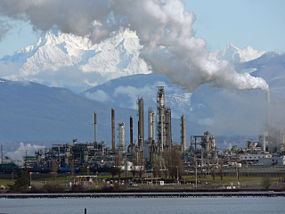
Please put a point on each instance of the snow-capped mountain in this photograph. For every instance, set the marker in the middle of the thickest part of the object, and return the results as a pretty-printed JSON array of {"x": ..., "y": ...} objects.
[
  {"x": 74, "y": 62},
  {"x": 237, "y": 55},
  {"x": 115, "y": 75},
  {"x": 66, "y": 60}
]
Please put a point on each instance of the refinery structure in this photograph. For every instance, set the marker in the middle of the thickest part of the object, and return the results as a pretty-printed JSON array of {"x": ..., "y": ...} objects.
[{"x": 155, "y": 152}]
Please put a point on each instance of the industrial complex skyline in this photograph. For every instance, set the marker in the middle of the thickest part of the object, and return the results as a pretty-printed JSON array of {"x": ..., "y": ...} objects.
[
  {"x": 110, "y": 43},
  {"x": 129, "y": 106}
]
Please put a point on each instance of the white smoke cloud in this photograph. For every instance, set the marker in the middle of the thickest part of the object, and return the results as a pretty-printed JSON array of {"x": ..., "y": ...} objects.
[
  {"x": 163, "y": 27},
  {"x": 206, "y": 122},
  {"x": 134, "y": 93},
  {"x": 24, "y": 149},
  {"x": 98, "y": 95}
]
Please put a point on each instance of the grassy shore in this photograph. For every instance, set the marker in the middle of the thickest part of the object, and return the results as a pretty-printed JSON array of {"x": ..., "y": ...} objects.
[{"x": 126, "y": 183}]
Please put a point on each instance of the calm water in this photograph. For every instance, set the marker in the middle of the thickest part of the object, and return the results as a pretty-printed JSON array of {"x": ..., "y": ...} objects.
[{"x": 216, "y": 205}]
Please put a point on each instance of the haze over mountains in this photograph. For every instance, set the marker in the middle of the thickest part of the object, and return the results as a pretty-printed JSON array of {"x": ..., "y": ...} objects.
[{"x": 112, "y": 73}]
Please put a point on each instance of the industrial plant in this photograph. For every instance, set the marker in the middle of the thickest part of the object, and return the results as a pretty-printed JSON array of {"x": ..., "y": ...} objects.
[{"x": 156, "y": 155}]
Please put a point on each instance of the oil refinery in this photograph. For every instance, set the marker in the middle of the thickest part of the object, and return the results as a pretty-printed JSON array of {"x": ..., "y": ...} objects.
[{"x": 157, "y": 154}]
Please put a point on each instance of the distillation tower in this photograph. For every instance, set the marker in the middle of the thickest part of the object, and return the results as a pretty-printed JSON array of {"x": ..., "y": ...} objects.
[
  {"x": 161, "y": 135},
  {"x": 151, "y": 125}
]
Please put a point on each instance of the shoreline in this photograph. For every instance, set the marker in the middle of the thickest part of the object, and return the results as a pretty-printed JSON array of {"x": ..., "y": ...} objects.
[{"x": 144, "y": 195}]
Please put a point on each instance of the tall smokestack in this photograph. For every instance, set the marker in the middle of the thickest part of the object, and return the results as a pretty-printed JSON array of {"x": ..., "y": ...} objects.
[
  {"x": 183, "y": 134},
  {"x": 265, "y": 137},
  {"x": 131, "y": 131},
  {"x": 95, "y": 128},
  {"x": 141, "y": 123},
  {"x": 113, "y": 130},
  {"x": 168, "y": 128},
  {"x": 122, "y": 144},
  {"x": 151, "y": 126},
  {"x": 268, "y": 115},
  {"x": 268, "y": 119}
]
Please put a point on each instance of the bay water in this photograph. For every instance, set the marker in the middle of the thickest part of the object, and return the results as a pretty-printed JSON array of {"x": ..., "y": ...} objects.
[{"x": 192, "y": 205}]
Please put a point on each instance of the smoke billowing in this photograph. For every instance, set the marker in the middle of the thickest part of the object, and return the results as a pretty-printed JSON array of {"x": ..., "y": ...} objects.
[
  {"x": 22, "y": 150},
  {"x": 163, "y": 27}
]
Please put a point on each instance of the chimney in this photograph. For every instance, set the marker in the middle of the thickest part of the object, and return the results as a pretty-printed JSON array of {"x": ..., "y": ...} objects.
[
  {"x": 95, "y": 128},
  {"x": 151, "y": 125},
  {"x": 141, "y": 123},
  {"x": 113, "y": 130},
  {"x": 183, "y": 134},
  {"x": 131, "y": 131}
]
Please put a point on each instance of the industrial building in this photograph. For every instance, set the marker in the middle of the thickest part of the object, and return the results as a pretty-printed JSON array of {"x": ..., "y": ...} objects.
[{"x": 156, "y": 153}]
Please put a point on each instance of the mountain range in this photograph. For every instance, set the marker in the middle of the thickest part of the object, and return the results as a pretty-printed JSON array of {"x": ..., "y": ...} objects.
[
  {"x": 74, "y": 62},
  {"x": 50, "y": 90},
  {"x": 33, "y": 112}
]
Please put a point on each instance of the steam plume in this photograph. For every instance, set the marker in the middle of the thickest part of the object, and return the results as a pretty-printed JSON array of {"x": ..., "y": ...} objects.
[
  {"x": 163, "y": 27},
  {"x": 23, "y": 149}
]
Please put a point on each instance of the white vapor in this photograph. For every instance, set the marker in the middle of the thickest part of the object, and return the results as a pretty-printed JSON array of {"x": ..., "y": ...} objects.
[
  {"x": 163, "y": 27},
  {"x": 28, "y": 149},
  {"x": 98, "y": 95}
]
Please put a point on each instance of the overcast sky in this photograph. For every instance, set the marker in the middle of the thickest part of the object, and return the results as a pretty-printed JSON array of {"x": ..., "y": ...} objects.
[{"x": 257, "y": 23}]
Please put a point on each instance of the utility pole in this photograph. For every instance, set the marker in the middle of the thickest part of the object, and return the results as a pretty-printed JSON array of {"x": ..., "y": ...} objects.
[
  {"x": 196, "y": 173},
  {"x": 237, "y": 172},
  {"x": 237, "y": 168},
  {"x": 177, "y": 173},
  {"x": 88, "y": 170},
  {"x": 26, "y": 159},
  {"x": 2, "y": 156},
  {"x": 222, "y": 169},
  {"x": 30, "y": 179}
]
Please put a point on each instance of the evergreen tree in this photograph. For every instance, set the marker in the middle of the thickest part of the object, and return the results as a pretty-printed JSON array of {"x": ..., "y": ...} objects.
[{"x": 22, "y": 179}]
